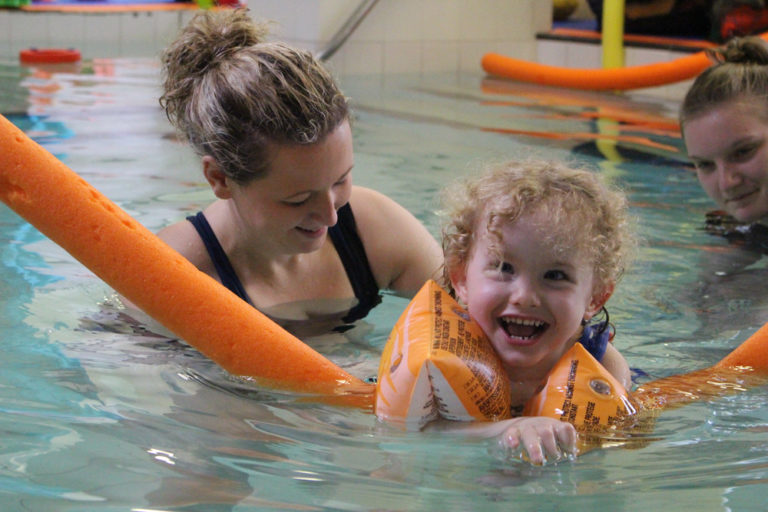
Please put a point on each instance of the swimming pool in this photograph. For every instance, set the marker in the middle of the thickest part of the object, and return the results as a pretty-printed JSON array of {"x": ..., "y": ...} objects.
[{"x": 100, "y": 414}]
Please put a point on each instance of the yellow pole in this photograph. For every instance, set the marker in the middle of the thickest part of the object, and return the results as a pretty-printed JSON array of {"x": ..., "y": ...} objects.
[
  {"x": 613, "y": 33},
  {"x": 613, "y": 57}
]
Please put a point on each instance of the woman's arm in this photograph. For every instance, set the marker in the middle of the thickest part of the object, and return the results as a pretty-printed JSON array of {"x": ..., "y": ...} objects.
[{"x": 402, "y": 253}]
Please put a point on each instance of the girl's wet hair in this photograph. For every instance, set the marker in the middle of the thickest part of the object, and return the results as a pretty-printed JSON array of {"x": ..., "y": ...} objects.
[
  {"x": 583, "y": 213},
  {"x": 234, "y": 96},
  {"x": 740, "y": 73}
]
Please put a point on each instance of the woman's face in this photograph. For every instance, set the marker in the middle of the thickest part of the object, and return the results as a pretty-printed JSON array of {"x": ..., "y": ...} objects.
[
  {"x": 293, "y": 206},
  {"x": 729, "y": 147}
]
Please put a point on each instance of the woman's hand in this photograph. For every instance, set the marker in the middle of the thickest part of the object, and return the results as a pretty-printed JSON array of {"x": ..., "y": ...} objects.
[{"x": 539, "y": 438}]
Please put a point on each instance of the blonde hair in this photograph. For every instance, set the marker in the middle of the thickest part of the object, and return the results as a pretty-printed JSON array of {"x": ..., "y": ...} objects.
[
  {"x": 740, "y": 73},
  {"x": 585, "y": 213},
  {"x": 232, "y": 95}
]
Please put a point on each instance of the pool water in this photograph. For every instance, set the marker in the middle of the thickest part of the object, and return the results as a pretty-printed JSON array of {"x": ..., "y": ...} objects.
[{"x": 100, "y": 413}]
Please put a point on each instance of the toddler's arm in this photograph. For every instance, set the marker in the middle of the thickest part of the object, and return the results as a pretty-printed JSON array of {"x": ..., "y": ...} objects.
[
  {"x": 542, "y": 439},
  {"x": 615, "y": 363}
]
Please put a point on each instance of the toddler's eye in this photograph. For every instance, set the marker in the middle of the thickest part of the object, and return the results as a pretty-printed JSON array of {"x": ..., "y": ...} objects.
[
  {"x": 506, "y": 268},
  {"x": 556, "y": 275}
]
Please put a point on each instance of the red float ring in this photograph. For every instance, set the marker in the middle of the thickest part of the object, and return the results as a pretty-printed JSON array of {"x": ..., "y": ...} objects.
[{"x": 48, "y": 56}]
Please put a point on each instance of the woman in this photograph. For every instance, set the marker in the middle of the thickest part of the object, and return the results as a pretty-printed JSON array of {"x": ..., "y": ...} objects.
[
  {"x": 724, "y": 120},
  {"x": 273, "y": 133}
]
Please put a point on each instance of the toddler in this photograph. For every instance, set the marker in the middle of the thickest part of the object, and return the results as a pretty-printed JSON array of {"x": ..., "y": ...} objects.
[{"x": 533, "y": 250}]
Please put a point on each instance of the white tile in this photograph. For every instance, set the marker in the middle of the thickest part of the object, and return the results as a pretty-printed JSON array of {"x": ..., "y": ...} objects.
[
  {"x": 185, "y": 16},
  {"x": 402, "y": 18},
  {"x": 167, "y": 26},
  {"x": 5, "y": 35},
  {"x": 309, "y": 25},
  {"x": 402, "y": 57},
  {"x": 328, "y": 19},
  {"x": 440, "y": 56},
  {"x": 67, "y": 30},
  {"x": 471, "y": 55},
  {"x": 479, "y": 23},
  {"x": 675, "y": 91},
  {"x": 28, "y": 30},
  {"x": 552, "y": 53},
  {"x": 523, "y": 50},
  {"x": 373, "y": 27},
  {"x": 282, "y": 12},
  {"x": 137, "y": 35},
  {"x": 542, "y": 15},
  {"x": 442, "y": 20},
  {"x": 516, "y": 22},
  {"x": 362, "y": 57},
  {"x": 642, "y": 56},
  {"x": 102, "y": 36},
  {"x": 336, "y": 62},
  {"x": 584, "y": 56}
]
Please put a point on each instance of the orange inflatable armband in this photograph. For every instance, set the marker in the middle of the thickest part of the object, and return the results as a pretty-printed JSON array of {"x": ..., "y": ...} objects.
[
  {"x": 438, "y": 363},
  {"x": 581, "y": 391}
]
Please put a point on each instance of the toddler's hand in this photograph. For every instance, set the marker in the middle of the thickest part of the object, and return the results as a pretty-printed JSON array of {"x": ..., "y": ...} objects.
[{"x": 542, "y": 439}]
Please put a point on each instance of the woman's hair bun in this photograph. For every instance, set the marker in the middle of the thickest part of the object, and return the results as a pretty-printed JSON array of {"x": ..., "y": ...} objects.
[
  {"x": 211, "y": 38},
  {"x": 743, "y": 50}
]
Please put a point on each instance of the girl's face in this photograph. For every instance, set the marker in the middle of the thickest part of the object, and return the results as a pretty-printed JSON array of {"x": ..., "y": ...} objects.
[
  {"x": 729, "y": 147},
  {"x": 293, "y": 206},
  {"x": 530, "y": 301}
]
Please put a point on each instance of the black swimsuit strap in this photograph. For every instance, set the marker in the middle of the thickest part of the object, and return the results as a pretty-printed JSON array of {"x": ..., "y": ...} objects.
[
  {"x": 351, "y": 251},
  {"x": 345, "y": 240},
  {"x": 220, "y": 260}
]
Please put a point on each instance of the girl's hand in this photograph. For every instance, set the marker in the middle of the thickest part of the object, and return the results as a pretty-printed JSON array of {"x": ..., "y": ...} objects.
[{"x": 539, "y": 438}]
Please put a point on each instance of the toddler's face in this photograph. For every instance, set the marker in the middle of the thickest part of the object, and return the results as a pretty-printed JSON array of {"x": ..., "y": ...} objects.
[{"x": 531, "y": 298}]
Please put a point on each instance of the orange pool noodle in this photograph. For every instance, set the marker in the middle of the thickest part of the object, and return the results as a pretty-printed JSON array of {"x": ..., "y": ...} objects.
[
  {"x": 631, "y": 77},
  {"x": 623, "y": 78},
  {"x": 579, "y": 390},
  {"x": 751, "y": 354},
  {"x": 145, "y": 270}
]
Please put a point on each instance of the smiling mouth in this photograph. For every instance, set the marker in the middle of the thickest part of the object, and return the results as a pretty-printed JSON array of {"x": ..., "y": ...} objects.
[
  {"x": 310, "y": 231},
  {"x": 736, "y": 199},
  {"x": 521, "y": 328}
]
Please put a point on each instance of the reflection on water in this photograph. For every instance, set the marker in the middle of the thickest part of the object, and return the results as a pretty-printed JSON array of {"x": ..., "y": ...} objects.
[{"x": 99, "y": 412}]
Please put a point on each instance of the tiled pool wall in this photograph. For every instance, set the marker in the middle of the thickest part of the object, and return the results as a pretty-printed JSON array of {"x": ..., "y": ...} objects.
[{"x": 396, "y": 36}]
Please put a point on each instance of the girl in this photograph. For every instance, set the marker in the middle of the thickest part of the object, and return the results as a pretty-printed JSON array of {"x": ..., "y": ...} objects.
[
  {"x": 534, "y": 251},
  {"x": 273, "y": 133}
]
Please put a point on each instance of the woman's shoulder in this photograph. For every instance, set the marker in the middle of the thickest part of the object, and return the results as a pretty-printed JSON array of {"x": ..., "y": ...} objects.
[
  {"x": 402, "y": 253},
  {"x": 360, "y": 195},
  {"x": 183, "y": 237},
  {"x": 375, "y": 208}
]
